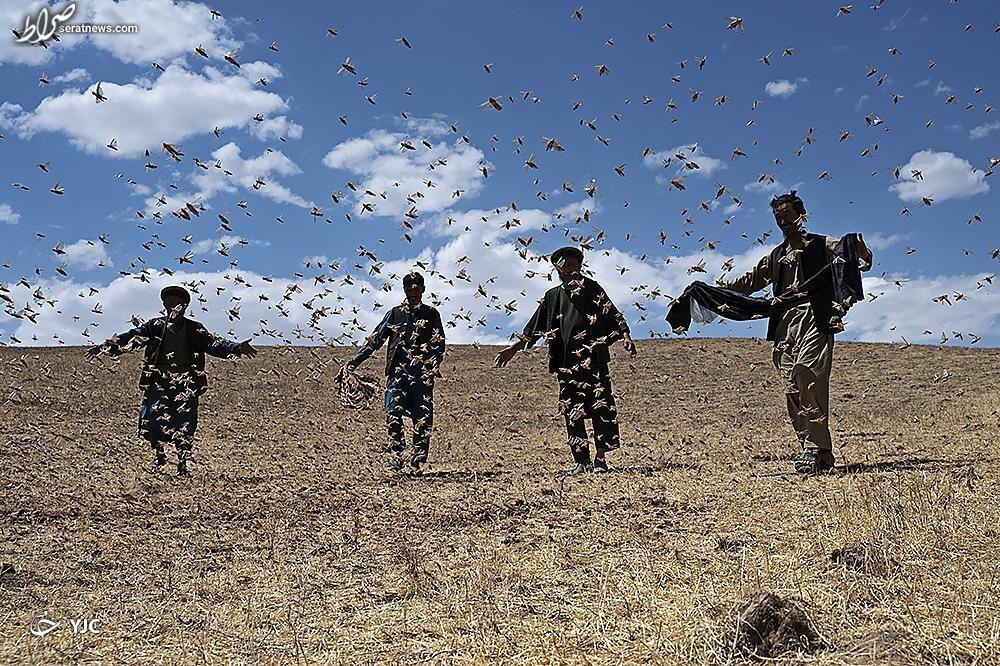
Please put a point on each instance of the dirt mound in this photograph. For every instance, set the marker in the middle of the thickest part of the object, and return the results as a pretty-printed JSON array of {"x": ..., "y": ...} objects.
[{"x": 770, "y": 626}]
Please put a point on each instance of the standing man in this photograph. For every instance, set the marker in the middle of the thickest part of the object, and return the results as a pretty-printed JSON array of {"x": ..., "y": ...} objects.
[
  {"x": 173, "y": 374},
  {"x": 803, "y": 333},
  {"x": 580, "y": 323},
  {"x": 413, "y": 359}
]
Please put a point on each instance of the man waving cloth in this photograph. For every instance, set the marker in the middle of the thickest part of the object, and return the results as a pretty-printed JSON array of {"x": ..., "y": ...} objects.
[
  {"x": 416, "y": 348},
  {"x": 580, "y": 323},
  {"x": 814, "y": 279}
]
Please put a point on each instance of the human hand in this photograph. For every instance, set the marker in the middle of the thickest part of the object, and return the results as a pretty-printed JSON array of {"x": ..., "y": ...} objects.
[
  {"x": 629, "y": 345},
  {"x": 504, "y": 357},
  {"x": 246, "y": 349}
]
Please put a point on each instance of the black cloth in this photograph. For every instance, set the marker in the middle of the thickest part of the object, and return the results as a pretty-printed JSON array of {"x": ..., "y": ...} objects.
[
  {"x": 724, "y": 302},
  {"x": 584, "y": 309},
  {"x": 831, "y": 287}
]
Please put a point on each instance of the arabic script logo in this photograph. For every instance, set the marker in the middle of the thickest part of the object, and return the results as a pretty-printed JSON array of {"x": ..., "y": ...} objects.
[
  {"x": 43, "y": 627},
  {"x": 41, "y": 26}
]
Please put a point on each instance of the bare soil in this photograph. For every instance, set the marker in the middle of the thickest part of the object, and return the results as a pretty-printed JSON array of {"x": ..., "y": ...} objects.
[{"x": 294, "y": 543}]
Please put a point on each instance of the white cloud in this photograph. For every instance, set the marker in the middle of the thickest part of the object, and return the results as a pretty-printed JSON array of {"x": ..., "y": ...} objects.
[
  {"x": 861, "y": 102},
  {"x": 167, "y": 29},
  {"x": 945, "y": 176},
  {"x": 878, "y": 241},
  {"x": 984, "y": 130},
  {"x": 12, "y": 15},
  {"x": 277, "y": 127},
  {"x": 781, "y": 88},
  {"x": 692, "y": 152},
  {"x": 73, "y": 75},
  {"x": 9, "y": 113},
  {"x": 245, "y": 172},
  {"x": 765, "y": 185},
  {"x": 486, "y": 236},
  {"x": 86, "y": 254},
  {"x": 942, "y": 88},
  {"x": 258, "y": 69},
  {"x": 179, "y": 104},
  {"x": 352, "y": 309},
  {"x": 316, "y": 260},
  {"x": 386, "y": 169},
  {"x": 210, "y": 245},
  {"x": 922, "y": 84},
  {"x": 8, "y": 214},
  {"x": 907, "y": 311}
]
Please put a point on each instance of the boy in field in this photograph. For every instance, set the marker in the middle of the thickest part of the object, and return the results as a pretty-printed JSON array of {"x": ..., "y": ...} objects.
[{"x": 415, "y": 335}]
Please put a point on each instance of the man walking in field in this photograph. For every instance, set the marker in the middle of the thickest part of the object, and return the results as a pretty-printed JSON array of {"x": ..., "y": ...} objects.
[
  {"x": 413, "y": 359},
  {"x": 580, "y": 323},
  {"x": 810, "y": 264},
  {"x": 173, "y": 374}
]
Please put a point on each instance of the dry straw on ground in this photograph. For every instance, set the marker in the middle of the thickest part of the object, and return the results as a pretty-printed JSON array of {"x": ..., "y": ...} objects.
[{"x": 293, "y": 544}]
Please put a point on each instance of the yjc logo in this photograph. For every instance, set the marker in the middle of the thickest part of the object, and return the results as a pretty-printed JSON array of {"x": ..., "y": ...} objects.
[
  {"x": 44, "y": 626},
  {"x": 43, "y": 25}
]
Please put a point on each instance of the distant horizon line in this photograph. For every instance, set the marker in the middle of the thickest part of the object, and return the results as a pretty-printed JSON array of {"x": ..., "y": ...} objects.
[{"x": 967, "y": 346}]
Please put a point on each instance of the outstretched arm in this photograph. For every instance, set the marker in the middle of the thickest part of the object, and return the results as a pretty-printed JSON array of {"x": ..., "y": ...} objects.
[
  {"x": 374, "y": 342},
  {"x": 755, "y": 279},
  {"x": 533, "y": 330},
  {"x": 113, "y": 345},
  {"x": 218, "y": 346}
]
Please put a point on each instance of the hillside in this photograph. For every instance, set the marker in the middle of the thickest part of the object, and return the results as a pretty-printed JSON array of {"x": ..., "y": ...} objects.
[{"x": 293, "y": 542}]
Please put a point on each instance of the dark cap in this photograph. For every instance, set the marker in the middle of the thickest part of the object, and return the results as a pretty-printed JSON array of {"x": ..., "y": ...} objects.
[
  {"x": 174, "y": 290},
  {"x": 568, "y": 251},
  {"x": 413, "y": 278}
]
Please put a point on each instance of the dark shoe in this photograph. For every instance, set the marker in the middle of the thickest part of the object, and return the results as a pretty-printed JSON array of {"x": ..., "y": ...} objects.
[
  {"x": 579, "y": 469},
  {"x": 600, "y": 466},
  {"x": 158, "y": 462},
  {"x": 182, "y": 464},
  {"x": 813, "y": 462},
  {"x": 414, "y": 468},
  {"x": 395, "y": 463}
]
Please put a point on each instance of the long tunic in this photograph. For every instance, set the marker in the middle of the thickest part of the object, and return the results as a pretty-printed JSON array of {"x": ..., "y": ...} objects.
[
  {"x": 579, "y": 322},
  {"x": 797, "y": 331},
  {"x": 173, "y": 377}
]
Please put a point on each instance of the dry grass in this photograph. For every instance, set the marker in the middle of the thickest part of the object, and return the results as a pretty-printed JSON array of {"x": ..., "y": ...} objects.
[{"x": 292, "y": 544}]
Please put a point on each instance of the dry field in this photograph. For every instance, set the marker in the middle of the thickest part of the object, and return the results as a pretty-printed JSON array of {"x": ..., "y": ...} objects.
[{"x": 293, "y": 543}]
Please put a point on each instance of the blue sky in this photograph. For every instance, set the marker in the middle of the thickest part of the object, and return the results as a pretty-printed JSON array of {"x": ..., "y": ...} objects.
[{"x": 543, "y": 63}]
